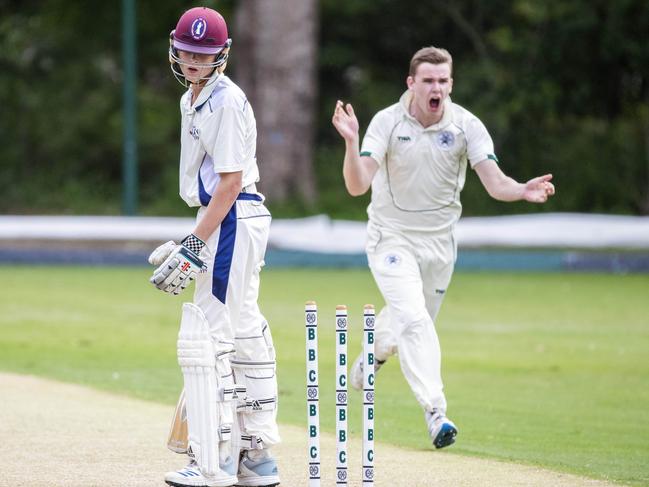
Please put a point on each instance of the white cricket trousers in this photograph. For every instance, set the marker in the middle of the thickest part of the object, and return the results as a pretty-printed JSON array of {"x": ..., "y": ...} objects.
[
  {"x": 228, "y": 292},
  {"x": 413, "y": 271}
]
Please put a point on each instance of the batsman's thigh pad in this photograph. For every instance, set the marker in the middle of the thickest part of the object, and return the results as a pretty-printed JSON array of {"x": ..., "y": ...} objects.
[{"x": 209, "y": 392}]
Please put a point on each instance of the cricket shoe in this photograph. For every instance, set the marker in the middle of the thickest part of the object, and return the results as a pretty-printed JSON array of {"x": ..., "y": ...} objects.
[
  {"x": 258, "y": 471},
  {"x": 191, "y": 476},
  {"x": 356, "y": 372},
  {"x": 441, "y": 429}
]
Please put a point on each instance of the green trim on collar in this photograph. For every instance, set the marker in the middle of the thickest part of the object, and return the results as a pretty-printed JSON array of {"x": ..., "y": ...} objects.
[{"x": 366, "y": 154}]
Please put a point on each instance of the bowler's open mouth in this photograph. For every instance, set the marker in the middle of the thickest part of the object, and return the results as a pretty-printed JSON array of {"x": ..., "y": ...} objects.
[{"x": 434, "y": 103}]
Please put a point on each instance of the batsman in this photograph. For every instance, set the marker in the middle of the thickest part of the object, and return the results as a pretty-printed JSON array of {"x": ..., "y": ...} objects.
[
  {"x": 226, "y": 418},
  {"x": 414, "y": 156}
]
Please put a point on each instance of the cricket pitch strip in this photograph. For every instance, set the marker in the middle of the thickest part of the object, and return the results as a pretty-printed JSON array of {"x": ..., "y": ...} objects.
[{"x": 56, "y": 434}]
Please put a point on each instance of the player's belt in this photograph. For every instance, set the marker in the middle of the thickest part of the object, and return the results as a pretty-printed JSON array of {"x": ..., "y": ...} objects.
[{"x": 248, "y": 192}]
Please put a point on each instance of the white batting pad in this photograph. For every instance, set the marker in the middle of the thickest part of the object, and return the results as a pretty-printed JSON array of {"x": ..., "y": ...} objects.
[
  {"x": 261, "y": 389},
  {"x": 229, "y": 394},
  {"x": 197, "y": 359},
  {"x": 260, "y": 383}
]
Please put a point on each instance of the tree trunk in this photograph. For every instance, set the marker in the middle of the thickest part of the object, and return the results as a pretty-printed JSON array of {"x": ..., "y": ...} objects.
[
  {"x": 274, "y": 44},
  {"x": 644, "y": 116}
]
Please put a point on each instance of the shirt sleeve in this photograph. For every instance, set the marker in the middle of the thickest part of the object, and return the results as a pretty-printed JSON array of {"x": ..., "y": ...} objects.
[
  {"x": 480, "y": 146},
  {"x": 224, "y": 139},
  {"x": 376, "y": 140}
]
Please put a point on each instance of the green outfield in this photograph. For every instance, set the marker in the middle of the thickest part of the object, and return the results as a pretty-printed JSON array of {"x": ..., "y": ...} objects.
[{"x": 544, "y": 369}]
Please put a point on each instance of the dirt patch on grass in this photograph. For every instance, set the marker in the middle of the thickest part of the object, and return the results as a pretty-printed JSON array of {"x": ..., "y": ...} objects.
[{"x": 54, "y": 434}]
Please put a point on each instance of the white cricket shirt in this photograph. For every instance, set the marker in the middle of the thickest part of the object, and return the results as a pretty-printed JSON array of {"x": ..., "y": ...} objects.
[
  {"x": 422, "y": 170},
  {"x": 218, "y": 134}
]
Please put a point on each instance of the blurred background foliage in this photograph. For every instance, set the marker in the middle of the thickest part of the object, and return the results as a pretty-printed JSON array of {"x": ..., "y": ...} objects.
[{"x": 563, "y": 87}]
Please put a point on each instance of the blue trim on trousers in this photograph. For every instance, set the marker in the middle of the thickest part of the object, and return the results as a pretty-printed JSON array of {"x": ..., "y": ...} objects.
[
  {"x": 225, "y": 246},
  {"x": 223, "y": 257}
]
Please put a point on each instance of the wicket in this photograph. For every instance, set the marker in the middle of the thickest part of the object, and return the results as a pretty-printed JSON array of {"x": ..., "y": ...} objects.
[
  {"x": 341, "y": 395},
  {"x": 312, "y": 396}
]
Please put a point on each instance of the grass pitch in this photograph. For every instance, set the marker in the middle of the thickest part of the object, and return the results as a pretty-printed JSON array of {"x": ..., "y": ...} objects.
[{"x": 542, "y": 369}]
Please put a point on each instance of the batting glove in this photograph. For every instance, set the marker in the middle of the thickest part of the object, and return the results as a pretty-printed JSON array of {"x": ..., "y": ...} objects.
[
  {"x": 160, "y": 254},
  {"x": 180, "y": 266}
]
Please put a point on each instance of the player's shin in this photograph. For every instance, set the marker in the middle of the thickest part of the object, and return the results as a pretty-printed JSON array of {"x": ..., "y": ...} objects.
[
  {"x": 208, "y": 398},
  {"x": 229, "y": 396},
  {"x": 257, "y": 422}
]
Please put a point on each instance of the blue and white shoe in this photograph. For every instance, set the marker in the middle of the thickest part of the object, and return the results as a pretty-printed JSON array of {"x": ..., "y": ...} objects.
[
  {"x": 229, "y": 466},
  {"x": 356, "y": 372},
  {"x": 258, "y": 471},
  {"x": 441, "y": 429},
  {"x": 191, "y": 476}
]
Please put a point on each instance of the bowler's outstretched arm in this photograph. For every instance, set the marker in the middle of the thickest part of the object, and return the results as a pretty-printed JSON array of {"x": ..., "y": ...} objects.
[
  {"x": 358, "y": 171},
  {"x": 503, "y": 188}
]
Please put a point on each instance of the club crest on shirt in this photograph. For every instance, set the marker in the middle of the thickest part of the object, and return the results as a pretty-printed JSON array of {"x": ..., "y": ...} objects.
[
  {"x": 392, "y": 260},
  {"x": 445, "y": 140},
  {"x": 194, "y": 132}
]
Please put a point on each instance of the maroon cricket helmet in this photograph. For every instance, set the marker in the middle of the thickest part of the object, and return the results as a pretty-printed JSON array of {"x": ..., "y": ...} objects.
[{"x": 201, "y": 30}]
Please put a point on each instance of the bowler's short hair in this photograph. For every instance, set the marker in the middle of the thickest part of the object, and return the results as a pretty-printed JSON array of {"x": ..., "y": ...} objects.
[{"x": 432, "y": 55}]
